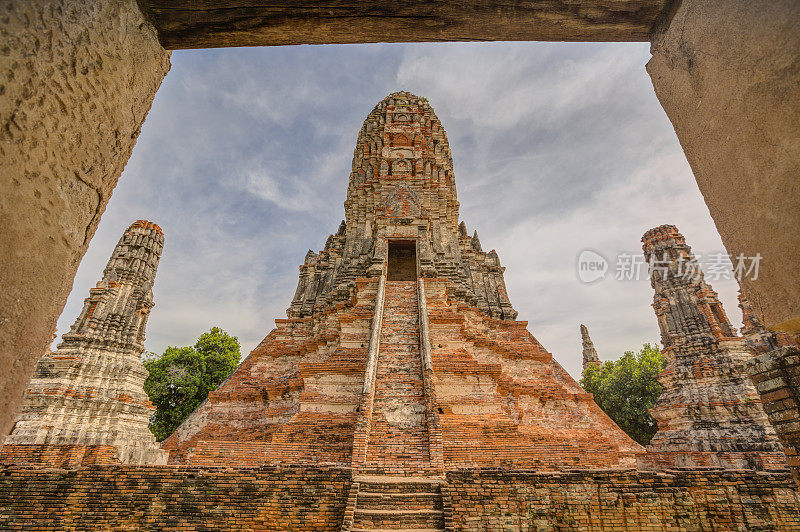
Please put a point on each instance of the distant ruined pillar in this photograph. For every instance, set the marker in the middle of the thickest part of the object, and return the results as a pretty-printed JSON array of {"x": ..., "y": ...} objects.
[
  {"x": 776, "y": 374},
  {"x": 709, "y": 413},
  {"x": 86, "y": 402},
  {"x": 590, "y": 357}
]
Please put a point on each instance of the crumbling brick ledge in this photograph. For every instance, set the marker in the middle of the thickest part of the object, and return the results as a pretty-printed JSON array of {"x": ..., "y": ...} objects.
[
  {"x": 314, "y": 497},
  {"x": 495, "y": 499},
  {"x": 135, "y": 498}
]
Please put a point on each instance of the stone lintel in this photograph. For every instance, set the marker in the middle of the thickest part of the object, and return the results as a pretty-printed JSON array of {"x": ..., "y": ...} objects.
[{"x": 215, "y": 24}]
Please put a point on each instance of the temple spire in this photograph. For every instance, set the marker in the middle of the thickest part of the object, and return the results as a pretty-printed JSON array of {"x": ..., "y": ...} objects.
[
  {"x": 401, "y": 185},
  {"x": 709, "y": 413},
  {"x": 86, "y": 402},
  {"x": 590, "y": 357}
]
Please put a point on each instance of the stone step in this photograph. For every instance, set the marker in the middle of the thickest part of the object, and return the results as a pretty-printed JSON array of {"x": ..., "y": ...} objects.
[
  {"x": 390, "y": 484},
  {"x": 399, "y": 345},
  {"x": 398, "y": 397},
  {"x": 398, "y": 519},
  {"x": 398, "y": 440},
  {"x": 373, "y": 500}
]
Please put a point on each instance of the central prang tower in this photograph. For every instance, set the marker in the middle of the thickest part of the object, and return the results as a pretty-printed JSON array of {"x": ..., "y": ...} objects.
[
  {"x": 401, "y": 355},
  {"x": 402, "y": 186}
]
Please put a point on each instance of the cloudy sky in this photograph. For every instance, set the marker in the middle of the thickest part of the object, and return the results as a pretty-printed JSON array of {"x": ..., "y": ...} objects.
[{"x": 245, "y": 155}]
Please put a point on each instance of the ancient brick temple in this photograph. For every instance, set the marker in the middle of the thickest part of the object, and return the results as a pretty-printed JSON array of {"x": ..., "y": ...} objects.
[
  {"x": 709, "y": 413},
  {"x": 86, "y": 403},
  {"x": 401, "y": 355},
  {"x": 400, "y": 393}
]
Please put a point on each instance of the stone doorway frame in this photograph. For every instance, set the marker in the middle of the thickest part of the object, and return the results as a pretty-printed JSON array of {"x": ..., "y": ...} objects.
[{"x": 402, "y": 242}]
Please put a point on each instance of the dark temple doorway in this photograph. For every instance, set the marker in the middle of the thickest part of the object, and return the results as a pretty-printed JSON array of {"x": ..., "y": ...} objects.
[{"x": 402, "y": 260}]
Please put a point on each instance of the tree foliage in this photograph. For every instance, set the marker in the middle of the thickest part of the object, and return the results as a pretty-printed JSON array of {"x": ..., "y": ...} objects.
[
  {"x": 627, "y": 388},
  {"x": 181, "y": 378}
]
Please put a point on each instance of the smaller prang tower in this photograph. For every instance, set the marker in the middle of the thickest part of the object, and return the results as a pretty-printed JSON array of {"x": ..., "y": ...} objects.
[
  {"x": 86, "y": 402},
  {"x": 590, "y": 357},
  {"x": 709, "y": 413}
]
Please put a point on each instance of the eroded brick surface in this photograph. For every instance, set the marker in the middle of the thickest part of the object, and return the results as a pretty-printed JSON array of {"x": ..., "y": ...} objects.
[
  {"x": 306, "y": 498},
  {"x": 128, "y": 498},
  {"x": 776, "y": 375},
  {"x": 506, "y": 403},
  {"x": 623, "y": 501},
  {"x": 775, "y": 372},
  {"x": 293, "y": 399}
]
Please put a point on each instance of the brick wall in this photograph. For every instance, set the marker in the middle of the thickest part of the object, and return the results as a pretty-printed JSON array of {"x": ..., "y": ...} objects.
[
  {"x": 623, "y": 500},
  {"x": 776, "y": 375},
  {"x": 313, "y": 498},
  {"x": 173, "y": 498}
]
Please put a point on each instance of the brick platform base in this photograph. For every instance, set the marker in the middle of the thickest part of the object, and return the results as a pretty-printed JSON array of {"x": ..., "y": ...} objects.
[
  {"x": 623, "y": 500},
  {"x": 314, "y": 498}
]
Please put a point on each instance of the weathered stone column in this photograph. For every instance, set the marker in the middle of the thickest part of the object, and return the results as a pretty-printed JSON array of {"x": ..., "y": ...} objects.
[
  {"x": 728, "y": 76},
  {"x": 76, "y": 81},
  {"x": 590, "y": 357}
]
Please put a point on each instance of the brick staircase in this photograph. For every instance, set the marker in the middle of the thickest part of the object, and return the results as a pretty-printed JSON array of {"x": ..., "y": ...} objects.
[
  {"x": 398, "y": 438},
  {"x": 397, "y": 488},
  {"x": 413, "y": 504}
]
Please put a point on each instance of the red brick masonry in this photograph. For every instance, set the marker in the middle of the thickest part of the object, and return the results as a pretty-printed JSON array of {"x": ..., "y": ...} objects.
[
  {"x": 623, "y": 500},
  {"x": 134, "y": 498},
  {"x": 313, "y": 498}
]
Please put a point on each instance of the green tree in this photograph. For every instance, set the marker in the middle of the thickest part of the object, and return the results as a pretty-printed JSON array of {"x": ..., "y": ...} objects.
[
  {"x": 181, "y": 378},
  {"x": 627, "y": 388}
]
